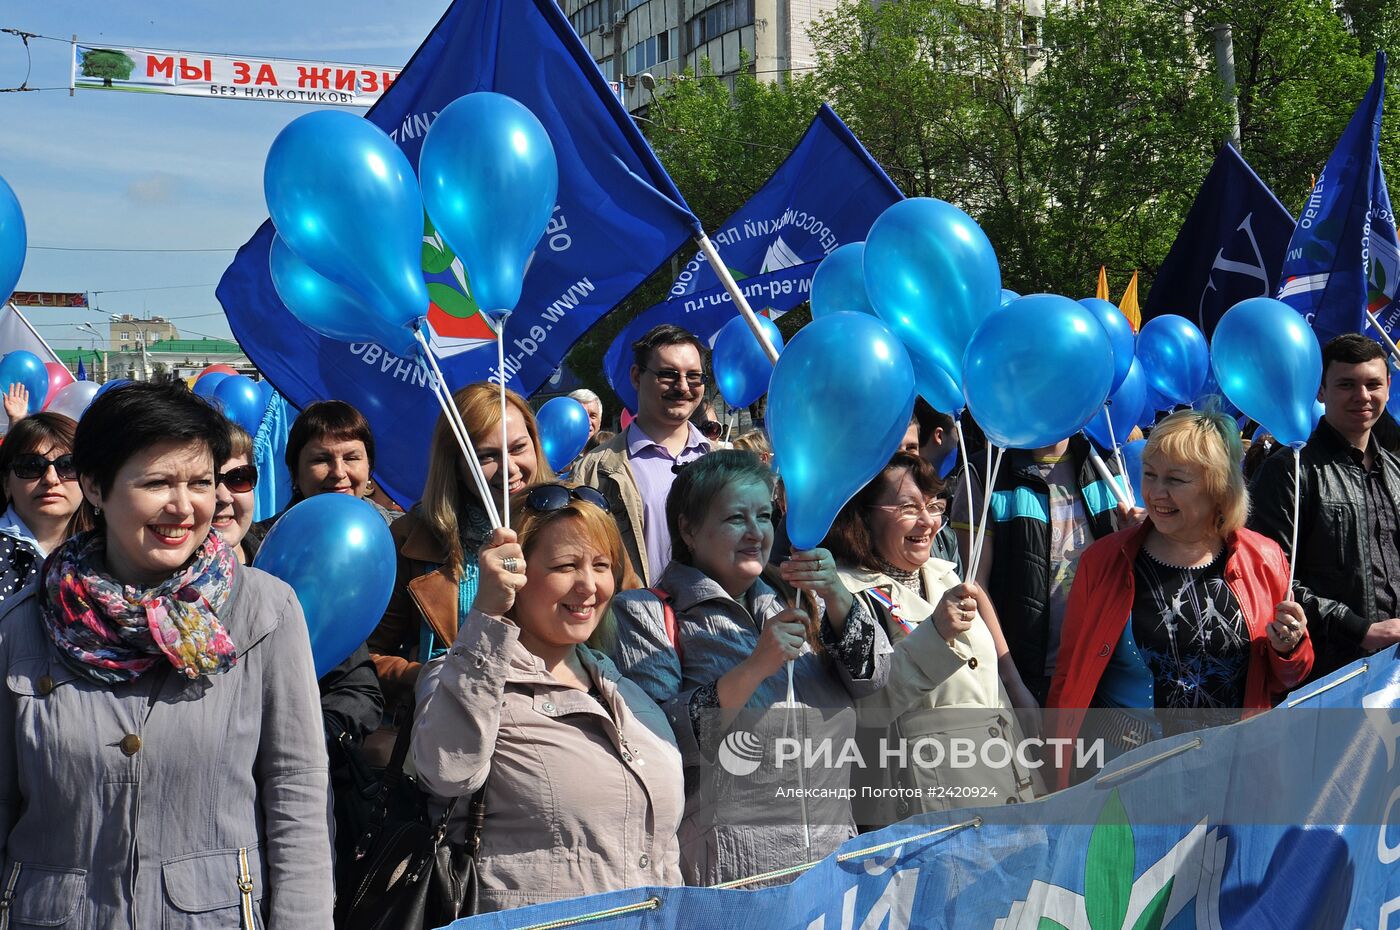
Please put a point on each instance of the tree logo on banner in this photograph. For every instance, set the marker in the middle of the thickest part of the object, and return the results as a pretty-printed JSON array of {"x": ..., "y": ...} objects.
[
  {"x": 1115, "y": 897},
  {"x": 456, "y": 324}
]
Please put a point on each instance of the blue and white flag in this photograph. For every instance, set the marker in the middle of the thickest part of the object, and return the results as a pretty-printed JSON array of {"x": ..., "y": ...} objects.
[
  {"x": 825, "y": 194},
  {"x": 1325, "y": 270},
  {"x": 1287, "y": 821},
  {"x": 1383, "y": 281},
  {"x": 1230, "y": 247},
  {"x": 619, "y": 218},
  {"x": 81, "y": 374}
]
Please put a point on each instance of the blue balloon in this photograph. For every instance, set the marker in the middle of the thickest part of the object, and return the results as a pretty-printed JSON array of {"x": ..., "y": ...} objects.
[
  {"x": 336, "y": 553},
  {"x": 1269, "y": 364},
  {"x": 932, "y": 275},
  {"x": 242, "y": 402},
  {"x": 936, "y": 386},
  {"x": 1174, "y": 357},
  {"x": 21, "y": 367},
  {"x": 839, "y": 282},
  {"x": 1211, "y": 394},
  {"x": 1008, "y": 295},
  {"x": 490, "y": 179},
  {"x": 331, "y": 310},
  {"x": 844, "y": 362},
  {"x": 742, "y": 370},
  {"x": 1120, "y": 334},
  {"x": 1124, "y": 407},
  {"x": 564, "y": 429},
  {"x": 14, "y": 240},
  {"x": 1318, "y": 412},
  {"x": 109, "y": 386},
  {"x": 1132, "y": 466},
  {"x": 1037, "y": 372},
  {"x": 344, "y": 198},
  {"x": 208, "y": 384}
]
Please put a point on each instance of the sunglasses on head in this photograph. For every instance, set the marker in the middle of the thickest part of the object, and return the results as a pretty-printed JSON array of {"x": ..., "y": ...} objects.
[
  {"x": 32, "y": 465},
  {"x": 239, "y": 480},
  {"x": 549, "y": 497}
]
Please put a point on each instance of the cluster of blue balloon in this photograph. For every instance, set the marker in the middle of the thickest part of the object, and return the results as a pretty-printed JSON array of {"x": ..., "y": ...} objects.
[
  {"x": 14, "y": 240},
  {"x": 347, "y": 263},
  {"x": 243, "y": 400}
]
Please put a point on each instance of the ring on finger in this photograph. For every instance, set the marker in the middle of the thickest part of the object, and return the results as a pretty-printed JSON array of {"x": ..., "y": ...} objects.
[{"x": 511, "y": 565}]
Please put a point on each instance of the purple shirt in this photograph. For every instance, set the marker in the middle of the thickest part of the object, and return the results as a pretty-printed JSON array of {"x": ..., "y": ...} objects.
[{"x": 651, "y": 466}]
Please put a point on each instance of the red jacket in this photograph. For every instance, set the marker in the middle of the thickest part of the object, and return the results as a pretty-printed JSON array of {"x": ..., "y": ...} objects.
[{"x": 1101, "y": 601}]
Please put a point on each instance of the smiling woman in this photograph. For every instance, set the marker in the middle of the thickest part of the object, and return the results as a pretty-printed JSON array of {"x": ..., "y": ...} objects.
[{"x": 146, "y": 636}]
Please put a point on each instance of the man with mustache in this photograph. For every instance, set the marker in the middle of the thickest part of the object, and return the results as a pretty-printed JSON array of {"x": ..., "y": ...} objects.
[
  {"x": 1348, "y": 557},
  {"x": 635, "y": 469}
]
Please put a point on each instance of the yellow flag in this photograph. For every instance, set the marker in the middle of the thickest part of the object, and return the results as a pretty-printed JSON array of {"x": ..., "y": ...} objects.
[
  {"x": 1102, "y": 293},
  {"x": 1129, "y": 304}
]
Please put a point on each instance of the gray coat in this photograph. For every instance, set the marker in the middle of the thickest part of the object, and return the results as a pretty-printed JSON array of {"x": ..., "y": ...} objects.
[
  {"x": 207, "y": 807},
  {"x": 738, "y": 824}
]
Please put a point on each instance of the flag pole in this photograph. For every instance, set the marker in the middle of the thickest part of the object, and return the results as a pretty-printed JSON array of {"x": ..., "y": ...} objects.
[{"x": 732, "y": 286}]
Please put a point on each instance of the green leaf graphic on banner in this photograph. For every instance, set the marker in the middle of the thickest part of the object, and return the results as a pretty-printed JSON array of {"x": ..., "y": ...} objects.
[
  {"x": 450, "y": 300},
  {"x": 1047, "y": 923},
  {"x": 437, "y": 257},
  {"x": 1156, "y": 911},
  {"x": 1108, "y": 873}
]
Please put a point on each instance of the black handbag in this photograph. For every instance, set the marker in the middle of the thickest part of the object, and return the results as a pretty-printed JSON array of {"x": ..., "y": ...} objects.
[{"x": 406, "y": 875}]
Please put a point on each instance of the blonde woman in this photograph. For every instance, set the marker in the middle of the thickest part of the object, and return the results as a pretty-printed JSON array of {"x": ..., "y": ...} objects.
[
  {"x": 439, "y": 538},
  {"x": 578, "y": 773}
]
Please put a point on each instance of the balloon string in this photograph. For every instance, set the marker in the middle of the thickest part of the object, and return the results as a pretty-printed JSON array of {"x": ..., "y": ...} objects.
[
  {"x": 459, "y": 431},
  {"x": 967, "y": 478},
  {"x": 1105, "y": 474},
  {"x": 1118, "y": 456},
  {"x": 1293, "y": 545},
  {"x": 986, "y": 508},
  {"x": 503, "y": 469}
]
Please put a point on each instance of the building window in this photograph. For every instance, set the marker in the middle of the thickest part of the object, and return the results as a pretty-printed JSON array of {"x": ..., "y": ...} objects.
[
  {"x": 719, "y": 19},
  {"x": 126, "y": 334}
]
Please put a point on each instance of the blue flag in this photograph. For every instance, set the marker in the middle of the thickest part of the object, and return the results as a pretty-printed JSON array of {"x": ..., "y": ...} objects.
[
  {"x": 81, "y": 374},
  {"x": 1384, "y": 248},
  {"x": 618, "y": 218},
  {"x": 1290, "y": 821},
  {"x": 825, "y": 194},
  {"x": 1325, "y": 269},
  {"x": 1230, "y": 247}
]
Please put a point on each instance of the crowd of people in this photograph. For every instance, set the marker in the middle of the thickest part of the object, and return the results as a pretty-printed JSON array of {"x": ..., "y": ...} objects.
[{"x": 571, "y": 692}]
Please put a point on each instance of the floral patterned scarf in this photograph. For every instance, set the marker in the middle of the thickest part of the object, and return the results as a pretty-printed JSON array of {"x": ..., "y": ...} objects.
[{"x": 113, "y": 633}]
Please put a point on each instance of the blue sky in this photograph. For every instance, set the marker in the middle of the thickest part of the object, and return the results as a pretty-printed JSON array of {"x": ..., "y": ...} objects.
[{"x": 109, "y": 170}]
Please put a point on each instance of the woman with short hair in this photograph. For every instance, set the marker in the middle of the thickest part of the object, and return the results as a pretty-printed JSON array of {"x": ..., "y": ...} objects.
[
  {"x": 951, "y": 675},
  {"x": 439, "y": 538},
  {"x": 578, "y": 772},
  {"x": 717, "y": 643},
  {"x": 39, "y": 491},
  {"x": 1188, "y": 612},
  {"x": 162, "y": 757}
]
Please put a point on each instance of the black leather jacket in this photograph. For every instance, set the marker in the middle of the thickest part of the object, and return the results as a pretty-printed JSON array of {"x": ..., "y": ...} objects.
[{"x": 1333, "y": 569}]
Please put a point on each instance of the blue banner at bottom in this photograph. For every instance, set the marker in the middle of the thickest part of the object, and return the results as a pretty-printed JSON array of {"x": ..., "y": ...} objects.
[{"x": 1290, "y": 819}]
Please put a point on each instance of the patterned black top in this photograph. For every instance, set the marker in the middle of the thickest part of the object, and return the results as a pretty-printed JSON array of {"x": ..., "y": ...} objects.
[{"x": 1191, "y": 633}]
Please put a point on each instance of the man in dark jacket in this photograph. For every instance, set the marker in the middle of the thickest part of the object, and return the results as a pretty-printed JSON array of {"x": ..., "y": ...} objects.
[{"x": 1348, "y": 557}]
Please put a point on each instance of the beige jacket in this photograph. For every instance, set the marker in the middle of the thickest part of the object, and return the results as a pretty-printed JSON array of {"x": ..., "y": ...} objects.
[
  {"x": 606, "y": 469},
  {"x": 584, "y": 794},
  {"x": 940, "y": 690}
]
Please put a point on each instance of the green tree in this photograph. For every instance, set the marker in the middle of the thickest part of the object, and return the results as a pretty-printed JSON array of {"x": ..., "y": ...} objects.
[{"x": 108, "y": 64}]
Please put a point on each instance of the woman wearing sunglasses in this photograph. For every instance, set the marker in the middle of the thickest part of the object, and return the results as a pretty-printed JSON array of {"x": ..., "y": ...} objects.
[
  {"x": 439, "y": 537},
  {"x": 236, "y": 480},
  {"x": 580, "y": 778},
  {"x": 949, "y": 677},
  {"x": 721, "y": 644},
  {"x": 161, "y": 760},
  {"x": 40, "y": 494}
]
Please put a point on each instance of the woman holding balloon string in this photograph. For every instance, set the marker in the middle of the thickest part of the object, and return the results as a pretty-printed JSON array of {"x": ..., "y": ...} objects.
[
  {"x": 572, "y": 769},
  {"x": 1188, "y": 612},
  {"x": 145, "y": 651},
  {"x": 950, "y": 675},
  {"x": 723, "y": 646},
  {"x": 40, "y": 493},
  {"x": 438, "y": 540}
]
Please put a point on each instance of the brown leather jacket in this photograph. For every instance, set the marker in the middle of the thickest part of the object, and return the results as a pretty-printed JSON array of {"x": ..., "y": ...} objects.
[{"x": 422, "y": 593}]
